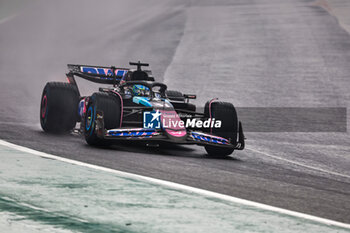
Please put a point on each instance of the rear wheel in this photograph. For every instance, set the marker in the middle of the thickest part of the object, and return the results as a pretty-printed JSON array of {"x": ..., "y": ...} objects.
[
  {"x": 110, "y": 106},
  {"x": 174, "y": 95},
  {"x": 225, "y": 112},
  {"x": 59, "y": 107},
  {"x": 179, "y": 99}
]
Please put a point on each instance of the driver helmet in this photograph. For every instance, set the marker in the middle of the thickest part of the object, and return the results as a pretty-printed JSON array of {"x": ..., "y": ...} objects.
[{"x": 140, "y": 90}]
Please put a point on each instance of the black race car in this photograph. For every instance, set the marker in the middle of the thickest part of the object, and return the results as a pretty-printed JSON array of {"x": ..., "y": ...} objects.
[{"x": 135, "y": 107}]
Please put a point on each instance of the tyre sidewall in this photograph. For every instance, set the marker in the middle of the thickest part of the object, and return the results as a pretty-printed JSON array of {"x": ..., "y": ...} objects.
[{"x": 110, "y": 107}]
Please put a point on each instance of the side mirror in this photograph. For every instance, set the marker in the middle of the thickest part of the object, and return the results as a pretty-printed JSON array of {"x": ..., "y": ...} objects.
[{"x": 189, "y": 96}]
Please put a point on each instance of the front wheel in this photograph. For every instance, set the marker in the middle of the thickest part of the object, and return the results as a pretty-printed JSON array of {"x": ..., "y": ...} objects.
[{"x": 225, "y": 112}]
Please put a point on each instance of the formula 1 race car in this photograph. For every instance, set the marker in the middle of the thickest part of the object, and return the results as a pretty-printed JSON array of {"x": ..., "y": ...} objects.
[{"x": 135, "y": 107}]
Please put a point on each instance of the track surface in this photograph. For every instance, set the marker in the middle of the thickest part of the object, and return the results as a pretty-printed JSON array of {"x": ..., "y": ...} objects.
[{"x": 253, "y": 53}]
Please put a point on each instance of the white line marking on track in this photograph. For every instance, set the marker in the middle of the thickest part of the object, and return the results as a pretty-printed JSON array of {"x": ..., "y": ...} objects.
[
  {"x": 299, "y": 164},
  {"x": 181, "y": 187}
]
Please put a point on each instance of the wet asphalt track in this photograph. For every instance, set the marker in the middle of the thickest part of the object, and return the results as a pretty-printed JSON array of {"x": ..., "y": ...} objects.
[{"x": 253, "y": 53}]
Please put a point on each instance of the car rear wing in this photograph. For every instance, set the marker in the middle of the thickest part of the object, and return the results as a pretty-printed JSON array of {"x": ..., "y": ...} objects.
[{"x": 97, "y": 74}]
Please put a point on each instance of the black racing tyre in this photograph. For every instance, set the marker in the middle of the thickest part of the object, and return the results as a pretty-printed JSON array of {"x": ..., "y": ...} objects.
[
  {"x": 190, "y": 107},
  {"x": 59, "y": 107},
  {"x": 174, "y": 95},
  {"x": 178, "y": 96},
  {"x": 225, "y": 112},
  {"x": 111, "y": 107}
]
